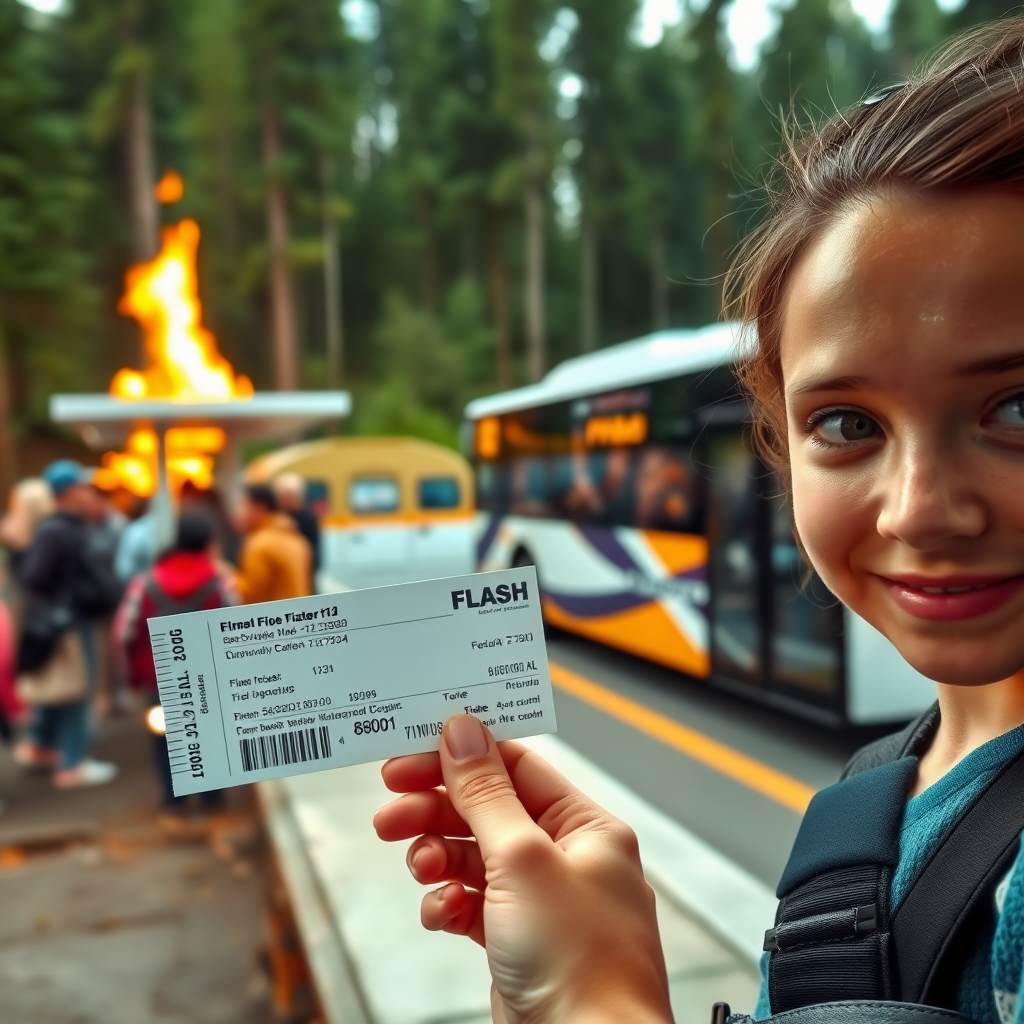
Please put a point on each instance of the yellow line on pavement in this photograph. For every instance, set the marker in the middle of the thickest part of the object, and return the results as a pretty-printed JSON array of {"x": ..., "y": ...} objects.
[{"x": 775, "y": 785}]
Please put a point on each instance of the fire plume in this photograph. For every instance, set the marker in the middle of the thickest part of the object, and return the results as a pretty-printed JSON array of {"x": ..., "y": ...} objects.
[{"x": 183, "y": 364}]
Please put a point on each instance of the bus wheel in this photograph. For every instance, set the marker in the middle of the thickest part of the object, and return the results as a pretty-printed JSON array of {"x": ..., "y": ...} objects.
[{"x": 522, "y": 557}]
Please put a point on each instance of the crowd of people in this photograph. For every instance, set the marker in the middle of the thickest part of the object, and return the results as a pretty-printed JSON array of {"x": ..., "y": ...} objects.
[{"x": 86, "y": 567}]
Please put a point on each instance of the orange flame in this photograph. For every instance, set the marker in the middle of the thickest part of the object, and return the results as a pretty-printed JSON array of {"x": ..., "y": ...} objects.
[
  {"x": 170, "y": 188},
  {"x": 183, "y": 365}
]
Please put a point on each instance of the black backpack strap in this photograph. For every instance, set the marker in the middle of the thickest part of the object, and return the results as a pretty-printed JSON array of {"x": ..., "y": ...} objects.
[
  {"x": 955, "y": 882},
  {"x": 831, "y": 937},
  {"x": 834, "y": 937},
  {"x": 912, "y": 741}
]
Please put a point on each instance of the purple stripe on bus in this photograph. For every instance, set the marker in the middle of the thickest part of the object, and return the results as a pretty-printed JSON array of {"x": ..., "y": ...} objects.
[
  {"x": 603, "y": 540},
  {"x": 483, "y": 545},
  {"x": 698, "y": 572},
  {"x": 588, "y": 606}
]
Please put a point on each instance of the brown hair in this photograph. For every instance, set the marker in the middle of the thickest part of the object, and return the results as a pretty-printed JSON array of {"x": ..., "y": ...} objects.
[{"x": 957, "y": 123}]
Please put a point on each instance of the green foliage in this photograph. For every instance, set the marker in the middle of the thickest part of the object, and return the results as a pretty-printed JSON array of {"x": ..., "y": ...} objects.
[
  {"x": 45, "y": 187},
  {"x": 820, "y": 60},
  {"x": 429, "y": 366},
  {"x": 916, "y": 27},
  {"x": 599, "y": 55},
  {"x": 417, "y": 144}
]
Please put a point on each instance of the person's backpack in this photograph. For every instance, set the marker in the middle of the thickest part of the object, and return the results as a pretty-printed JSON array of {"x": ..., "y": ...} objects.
[
  {"x": 837, "y": 955},
  {"x": 95, "y": 590},
  {"x": 43, "y": 623},
  {"x": 850, "y": 1012},
  {"x": 156, "y": 602}
]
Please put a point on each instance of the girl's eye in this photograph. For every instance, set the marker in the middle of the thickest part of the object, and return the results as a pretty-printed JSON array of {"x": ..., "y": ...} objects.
[
  {"x": 845, "y": 427},
  {"x": 1009, "y": 412}
]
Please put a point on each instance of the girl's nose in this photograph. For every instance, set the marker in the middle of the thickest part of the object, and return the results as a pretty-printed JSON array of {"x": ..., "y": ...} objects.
[{"x": 929, "y": 499}]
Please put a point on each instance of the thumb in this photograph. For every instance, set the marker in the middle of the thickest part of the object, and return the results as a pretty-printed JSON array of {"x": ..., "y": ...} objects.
[{"x": 479, "y": 786}]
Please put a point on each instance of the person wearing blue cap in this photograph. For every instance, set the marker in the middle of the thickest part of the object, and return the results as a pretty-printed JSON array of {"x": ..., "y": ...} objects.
[{"x": 57, "y": 570}]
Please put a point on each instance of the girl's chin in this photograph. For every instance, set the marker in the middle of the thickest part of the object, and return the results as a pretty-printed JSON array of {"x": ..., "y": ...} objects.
[{"x": 961, "y": 664}]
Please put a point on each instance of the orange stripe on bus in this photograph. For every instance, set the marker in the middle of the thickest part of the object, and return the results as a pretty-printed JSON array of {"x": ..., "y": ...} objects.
[
  {"x": 398, "y": 519},
  {"x": 783, "y": 789},
  {"x": 647, "y": 630},
  {"x": 677, "y": 552}
]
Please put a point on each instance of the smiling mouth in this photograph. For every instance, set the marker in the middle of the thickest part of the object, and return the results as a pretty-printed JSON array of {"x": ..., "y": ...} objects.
[
  {"x": 959, "y": 590},
  {"x": 951, "y": 585},
  {"x": 954, "y": 597}
]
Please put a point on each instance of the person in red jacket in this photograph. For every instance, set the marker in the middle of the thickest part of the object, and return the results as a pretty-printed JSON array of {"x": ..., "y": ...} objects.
[{"x": 184, "y": 579}]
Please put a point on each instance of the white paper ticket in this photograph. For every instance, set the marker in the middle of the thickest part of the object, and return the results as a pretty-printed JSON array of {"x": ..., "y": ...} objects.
[{"x": 286, "y": 687}]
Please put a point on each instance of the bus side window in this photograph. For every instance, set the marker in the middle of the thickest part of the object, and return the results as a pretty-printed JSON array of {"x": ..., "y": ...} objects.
[
  {"x": 492, "y": 487},
  {"x": 369, "y": 495},
  {"x": 561, "y": 492},
  {"x": 651, "y": 487},
  {"x": 318, "y": 497},
  {"x": 438, "y": 492},
  {"x": 666, "y": 490},
  {"x": 529, "y": 487}
]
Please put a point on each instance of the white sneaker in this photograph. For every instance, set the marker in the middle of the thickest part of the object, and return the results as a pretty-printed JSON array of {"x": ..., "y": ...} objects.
[{"x": 88, "y": 773}]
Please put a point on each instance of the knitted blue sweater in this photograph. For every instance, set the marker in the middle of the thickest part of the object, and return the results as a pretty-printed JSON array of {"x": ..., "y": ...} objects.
[{"x": 991, "y": 988}]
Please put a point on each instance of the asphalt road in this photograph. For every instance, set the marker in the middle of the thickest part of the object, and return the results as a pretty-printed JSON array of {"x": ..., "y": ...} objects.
[{"x": 739, "y": 792}]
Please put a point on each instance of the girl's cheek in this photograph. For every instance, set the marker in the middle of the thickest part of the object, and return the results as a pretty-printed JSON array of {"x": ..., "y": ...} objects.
[{"x": 831, "y": 521}]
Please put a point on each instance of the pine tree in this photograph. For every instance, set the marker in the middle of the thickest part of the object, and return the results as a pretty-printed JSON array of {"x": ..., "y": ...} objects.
[
  {"x": 522, "y": 95},
  {"x": 297, "y": 56},
  {"x": 44, "y": 191},
  {"x": 664, "y": 139},
  {"x": 606, "y": 110}
]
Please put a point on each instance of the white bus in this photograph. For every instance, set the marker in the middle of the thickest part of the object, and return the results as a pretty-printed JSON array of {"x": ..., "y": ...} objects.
[{"x": 626, "y": 477}]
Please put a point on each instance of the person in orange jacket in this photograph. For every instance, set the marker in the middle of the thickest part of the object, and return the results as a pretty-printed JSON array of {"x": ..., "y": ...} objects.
[{"x": 276, "y": 560}]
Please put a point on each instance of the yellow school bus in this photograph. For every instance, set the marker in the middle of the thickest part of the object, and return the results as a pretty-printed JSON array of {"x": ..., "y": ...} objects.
[{"x": 391, "y": 509}]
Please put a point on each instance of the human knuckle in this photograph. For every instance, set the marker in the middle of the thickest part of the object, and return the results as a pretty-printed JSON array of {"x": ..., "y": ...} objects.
[
  {"x": 623, "y": 839},
  {"x": 526, "y": 850},
  {"x": 481, "y": 788}
]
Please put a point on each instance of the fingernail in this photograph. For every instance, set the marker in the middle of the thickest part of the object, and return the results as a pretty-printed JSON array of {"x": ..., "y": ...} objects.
[
  {"x": 415, "y": 856},
  {"x": 465, "y": 738}
]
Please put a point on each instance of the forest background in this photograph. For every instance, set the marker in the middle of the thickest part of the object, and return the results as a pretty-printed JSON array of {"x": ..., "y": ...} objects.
[{"x": 418, "y": 200}]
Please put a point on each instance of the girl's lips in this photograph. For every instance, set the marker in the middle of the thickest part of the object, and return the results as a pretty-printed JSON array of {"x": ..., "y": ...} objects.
[{"x": 984, "y": 596}]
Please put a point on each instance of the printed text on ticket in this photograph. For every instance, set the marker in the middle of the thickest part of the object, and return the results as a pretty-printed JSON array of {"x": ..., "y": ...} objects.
[{"x": 275, "y": 689}]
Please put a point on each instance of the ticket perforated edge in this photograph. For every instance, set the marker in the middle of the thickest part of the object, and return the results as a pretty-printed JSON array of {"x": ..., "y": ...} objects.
[{"x": 264, "y": 691}]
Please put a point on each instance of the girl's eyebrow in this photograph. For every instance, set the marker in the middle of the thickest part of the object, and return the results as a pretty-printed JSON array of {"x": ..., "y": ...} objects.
[
  {"x": 979, "y": 367},
  {"x": 993, "y": 364},
  {"x": 847, "y": 383}
]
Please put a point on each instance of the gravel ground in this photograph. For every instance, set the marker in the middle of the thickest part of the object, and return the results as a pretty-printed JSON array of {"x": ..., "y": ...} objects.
[{"x": 105, "y": 918}]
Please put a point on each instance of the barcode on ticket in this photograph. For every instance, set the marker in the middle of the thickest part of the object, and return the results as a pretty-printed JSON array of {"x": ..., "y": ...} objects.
[{"x": 271, "y": 750}]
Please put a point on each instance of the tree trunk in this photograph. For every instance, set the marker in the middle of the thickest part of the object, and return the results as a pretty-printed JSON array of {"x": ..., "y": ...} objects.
[
  {"x": 497, "y": 274},
  {"x": 534, "y": 289},
  {"x": 659, "y": 278},
  {"x": 533, "y": 297},
  {"x": 282, "y": 303},
  {"x": 139, "y": 161},
  {"x": 332, "y": 279},
  {"x": 427, "y": 254},
  {"x": 8, "y": 449},
  {"x": 588, "y": 282}
]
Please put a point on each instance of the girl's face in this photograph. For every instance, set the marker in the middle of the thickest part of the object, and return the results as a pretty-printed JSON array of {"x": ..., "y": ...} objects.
[{"x": 903, "y": 362}]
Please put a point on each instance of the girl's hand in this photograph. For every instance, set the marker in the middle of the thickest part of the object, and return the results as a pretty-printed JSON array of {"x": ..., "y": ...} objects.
[{"x": 548, "y": 882}]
